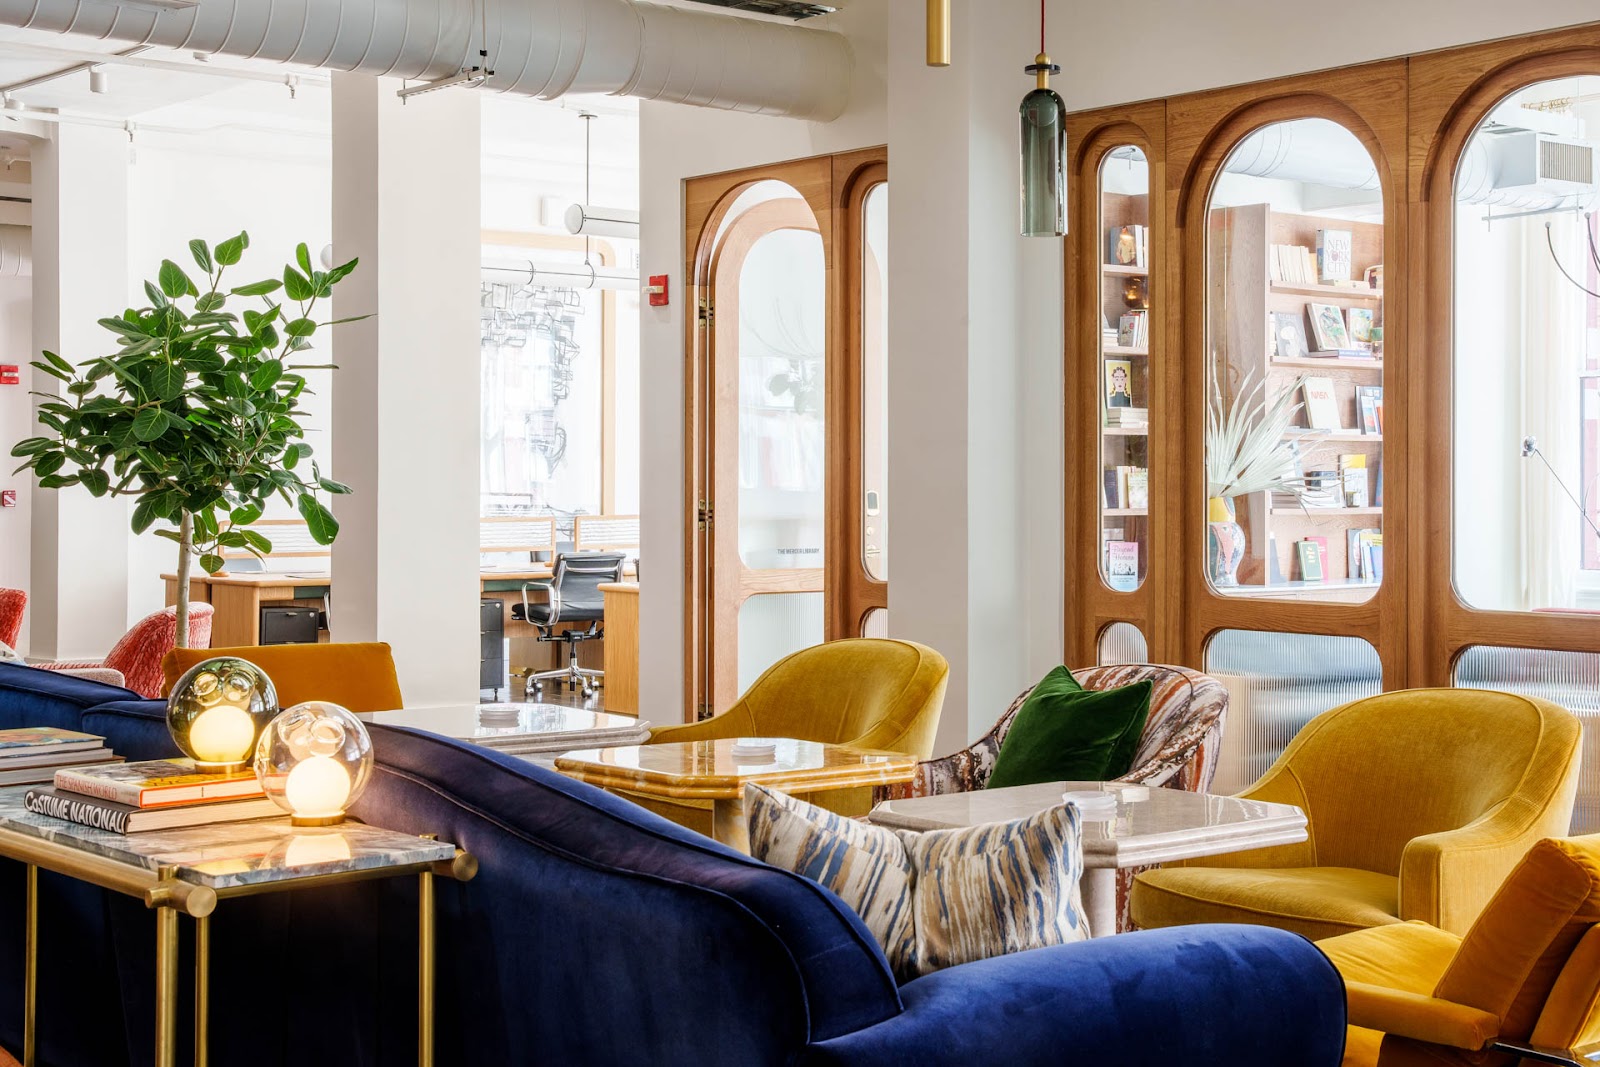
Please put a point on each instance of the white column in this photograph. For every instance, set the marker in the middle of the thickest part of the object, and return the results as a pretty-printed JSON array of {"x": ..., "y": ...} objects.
[
  {"x": 974, "y": 332},
  {"x": 405, "y": 397},
  {"x": 78, "y": 600}
]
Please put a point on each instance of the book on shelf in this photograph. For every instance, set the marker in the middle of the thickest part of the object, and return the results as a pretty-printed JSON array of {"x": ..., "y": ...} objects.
[
  {"x": 157, "y": 783},
  {"x": 1122, "y": 565},
  {"x": 1377, "y": 486},
  {"x": 1274, "y": 568},
  {"x": 1292, "y": 265},
  {"x": 1359, "y": 323},
  {"x": 1322, "y": 489},
  {"x": 1327, "y": 328},
  {"x": 1359, "y": 546},
  {"x": 1289, "y": 336},
  {"x": 34, "y": 772},
  {"x": 1110, "y": 489},
  {"x": 31, "y": 740},
  {"x": 1322, "y": 409},
  {"x": 1128, "y": 246},
  {"x": 1353, "y": 479},
  {"x": 1310, "y": 561},
  {"x": 1138, "y": 487},
  {"x": 1322, "y": 555},
  {"x": 1335, "y": 250},
  {"x": 126, "y": 819},
  {"x": 1133, "y": 329},
  {"x": 1119, "y": 384},
  {"x": 1369, "y": 406},
  {"x": 1343, "y": 353}
]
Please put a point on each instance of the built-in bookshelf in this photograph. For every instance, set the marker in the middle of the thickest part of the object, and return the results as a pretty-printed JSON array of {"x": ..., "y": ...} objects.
[
  {"x": 1271, "y": 316},
  {"x": 1126, "y": 346}
]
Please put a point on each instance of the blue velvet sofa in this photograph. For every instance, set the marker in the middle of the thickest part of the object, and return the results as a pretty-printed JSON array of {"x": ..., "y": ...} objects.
[{"x": 597, "y": 933}]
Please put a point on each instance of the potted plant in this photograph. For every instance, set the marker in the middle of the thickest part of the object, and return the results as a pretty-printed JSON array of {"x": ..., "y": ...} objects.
[
  {"x": 1249, "y": 449},
  {"x": 197, "y": 413}
]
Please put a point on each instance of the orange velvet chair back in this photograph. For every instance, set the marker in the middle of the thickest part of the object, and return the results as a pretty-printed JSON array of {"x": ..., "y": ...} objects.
[
  {"x": 1533, "y": 956},
  {"x": 357, "y": 676}
]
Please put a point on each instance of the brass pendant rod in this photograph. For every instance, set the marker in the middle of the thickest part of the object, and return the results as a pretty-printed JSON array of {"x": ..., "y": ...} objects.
[{"x": 938, "y": 33}]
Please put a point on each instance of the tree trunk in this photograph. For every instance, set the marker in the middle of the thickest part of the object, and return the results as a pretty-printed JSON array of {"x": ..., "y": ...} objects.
[{"x": 185, "y": 558}]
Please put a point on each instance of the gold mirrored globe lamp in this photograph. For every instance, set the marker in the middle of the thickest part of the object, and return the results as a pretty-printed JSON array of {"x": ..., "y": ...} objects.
[
  {"x": 314, "y": 760},
  {"x": 218, "y": 709}
]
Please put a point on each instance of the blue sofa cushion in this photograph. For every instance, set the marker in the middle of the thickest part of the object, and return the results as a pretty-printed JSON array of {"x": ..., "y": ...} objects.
[{"x": 33, "y": 697}]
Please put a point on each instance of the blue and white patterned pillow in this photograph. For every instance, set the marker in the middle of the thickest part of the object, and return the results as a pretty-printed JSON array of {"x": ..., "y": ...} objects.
[{"x": 939, "y": 898}]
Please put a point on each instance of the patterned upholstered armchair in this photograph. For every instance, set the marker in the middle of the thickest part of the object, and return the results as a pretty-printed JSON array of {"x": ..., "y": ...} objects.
[
  {"x": 12, "y": 604},
  {"x": 138, "y": 655},
  {"x": 1178, "y": 750}
]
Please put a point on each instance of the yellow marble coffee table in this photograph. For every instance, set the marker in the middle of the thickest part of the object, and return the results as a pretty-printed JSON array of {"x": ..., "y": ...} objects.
[{"x": 709, "y": 770}]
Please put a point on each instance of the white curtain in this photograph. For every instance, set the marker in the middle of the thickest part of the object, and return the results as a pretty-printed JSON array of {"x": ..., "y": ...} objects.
[{"x": 1553, "y": 338}]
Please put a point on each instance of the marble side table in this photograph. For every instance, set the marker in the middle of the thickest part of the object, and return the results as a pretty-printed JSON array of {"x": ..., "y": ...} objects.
[
  {"x": 521, "y": 729},
  {"x": 187, "y": 871},
  {"x": 1149, "y": 826}
]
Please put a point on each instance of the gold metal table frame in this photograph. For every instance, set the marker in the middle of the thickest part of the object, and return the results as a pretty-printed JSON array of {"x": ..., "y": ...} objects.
[{"x": 170, "y": 897}]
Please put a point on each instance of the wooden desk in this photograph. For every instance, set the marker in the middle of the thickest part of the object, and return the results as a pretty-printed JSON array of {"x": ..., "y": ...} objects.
[
  {"x": 238, "y": 598},
  {"x": 622, "y": 647}
]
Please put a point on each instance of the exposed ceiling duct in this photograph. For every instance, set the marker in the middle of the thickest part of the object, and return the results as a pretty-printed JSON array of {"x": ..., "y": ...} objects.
[
  {"x": 16, "y": 252},
  {"x": 543, "y": 48}
]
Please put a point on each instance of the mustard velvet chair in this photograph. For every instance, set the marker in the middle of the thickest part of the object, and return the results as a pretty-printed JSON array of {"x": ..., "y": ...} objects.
[
  {"x": 1527, "y": 974},
  {"x": 1419, "y": 802},
  {"x": 862, "y": 692},
  {"x": 359, "y": 676}
]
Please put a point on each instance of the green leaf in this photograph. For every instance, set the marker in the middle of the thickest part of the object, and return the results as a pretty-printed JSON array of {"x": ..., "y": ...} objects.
[
  {"x": 271, "y": 285},
  {"x": 57, "y": 481},
  {"x": 81, "y": 388},
  {"x": 98, "y": 482},
  {"x": 146, "y": 512},
  {"x": 31, "y": 446},
  {"x": 245, "y": 514},
  {"x": 210, "y": 302},
  {"x": 170, "y": 535},
  {"x": 201, "y": 253},
  {"x": 319, "y": 520},
  {"x": 48, "y": 463},
  {"x": 52, "y": 371},
  {"x": 302, "y": 256},
  {"x": 296, "y": 286},
  {"x": 165, "y": 380},
  {"x": 174, "y": 283},
  {"x": 266, "y": 376},
  {"x": 211, "y": 562},
  {"x": 150, "y": 424},
  {"x": 256, "y": 541},
  {"x": 300, "y": 328},
  {"x": 229, "y": 251},
  {"x": 332, "y": 486},
  {"x": 157, "y": 298}
]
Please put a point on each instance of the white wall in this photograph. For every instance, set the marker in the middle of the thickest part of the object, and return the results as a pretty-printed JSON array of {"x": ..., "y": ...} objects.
[
  {"x": 675, "y": 143},
  {"x": 16, "y": 422}
]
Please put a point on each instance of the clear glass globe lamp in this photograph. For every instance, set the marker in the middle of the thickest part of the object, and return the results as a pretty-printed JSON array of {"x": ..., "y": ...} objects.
[
  {"x": 314, "y": 760},
  {"x": 218, "y": 709}
]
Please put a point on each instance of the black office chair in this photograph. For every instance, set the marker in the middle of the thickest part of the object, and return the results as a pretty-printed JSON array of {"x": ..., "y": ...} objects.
[{"x": 575, "y": 596}]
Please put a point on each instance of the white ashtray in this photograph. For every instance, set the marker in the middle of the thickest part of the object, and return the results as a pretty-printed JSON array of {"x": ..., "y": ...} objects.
[
  {"x": 1093, "y": 804},
  {"x": 754, "y": 748},
  {"x": 1127, "y": 792},
  {"x": 499, "y": 715}
]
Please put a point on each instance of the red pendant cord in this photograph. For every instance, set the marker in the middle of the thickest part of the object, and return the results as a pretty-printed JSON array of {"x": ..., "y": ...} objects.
[{"x": 1041, "y": 27}]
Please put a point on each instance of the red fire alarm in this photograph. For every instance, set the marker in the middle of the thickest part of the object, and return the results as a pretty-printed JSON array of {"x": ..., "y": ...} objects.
[
  {"x": 9, "y": 374},
  {"x": 8, "y": 498},
  {"x": 657, "y": 290}
]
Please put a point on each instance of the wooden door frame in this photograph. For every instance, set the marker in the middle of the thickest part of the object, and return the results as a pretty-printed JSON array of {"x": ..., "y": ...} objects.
[{"x": 826, "y": 184}]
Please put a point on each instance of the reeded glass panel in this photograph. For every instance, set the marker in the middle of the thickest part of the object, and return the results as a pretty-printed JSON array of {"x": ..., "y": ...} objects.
[
  {"x": 1294, "y": 320},
  {"x": 876, "y": 624},
  {"x": 875, "y": 382},
  {"x": 1571, "y": 679},
  {"x": 1123, "y": 642},
  {"x": 773, "y": 625},
  {"x": 781, "y": 349},
  {"x": 1123, "y": 397},
  {"x": 1277, "y": 683},
  {"x": 1526, "y": 382}
]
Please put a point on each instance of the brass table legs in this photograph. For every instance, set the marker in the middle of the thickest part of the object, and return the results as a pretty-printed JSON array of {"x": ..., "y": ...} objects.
[
  {"x": 202, "y": 988},
  {"x": 425, "y": 969}
]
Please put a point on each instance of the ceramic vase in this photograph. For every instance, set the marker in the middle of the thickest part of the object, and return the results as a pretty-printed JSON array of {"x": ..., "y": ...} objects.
[{"x": 1224, "y": 542}]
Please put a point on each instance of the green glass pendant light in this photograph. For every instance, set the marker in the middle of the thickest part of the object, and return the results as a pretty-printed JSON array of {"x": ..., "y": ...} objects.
[{"x": 1044, "y": 151}]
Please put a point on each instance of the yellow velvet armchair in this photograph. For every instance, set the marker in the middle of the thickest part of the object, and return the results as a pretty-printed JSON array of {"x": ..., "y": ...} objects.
[
  {"x": 359, "y": 676},
  {"x": 1526, "y": 976},
  {"x": 862, "y": 692},
  {"x": 1419, "y": 803}
]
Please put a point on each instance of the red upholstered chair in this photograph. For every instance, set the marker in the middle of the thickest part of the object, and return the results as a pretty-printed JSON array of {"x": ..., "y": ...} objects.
[
  {"x": 138, "y": 655},
  {"x": 12, "y": 604}
]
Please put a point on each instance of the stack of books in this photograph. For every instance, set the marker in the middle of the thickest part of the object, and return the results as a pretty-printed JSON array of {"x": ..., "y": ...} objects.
[
  {"x": 130, "y": 798},
  {"x": 1133, "y": 329},
  {"x": 1294, "y": 264},
  {"x": 1324, "y": 489},
  {"x": 31, "y": 754},
  {"x": 1128, "y": 418},
  {"x": 1127, "y": 487},
  {"x": 1365, "y": 551}
]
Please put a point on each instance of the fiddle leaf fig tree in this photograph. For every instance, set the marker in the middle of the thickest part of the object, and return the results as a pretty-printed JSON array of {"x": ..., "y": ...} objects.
[{"x": 197, "y": 413}]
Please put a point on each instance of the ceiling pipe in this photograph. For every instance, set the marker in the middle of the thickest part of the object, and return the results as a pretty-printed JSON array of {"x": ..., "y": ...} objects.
[
  {"x": 16, "y": 252},
  {"x": 542, "y": 48}
]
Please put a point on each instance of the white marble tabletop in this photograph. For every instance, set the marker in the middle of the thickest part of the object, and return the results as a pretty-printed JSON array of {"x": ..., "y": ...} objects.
[
  {"x": 229, "y": 855},
  {"x": 1149, "y": 825},
  {"x": 521, "y": 728}
]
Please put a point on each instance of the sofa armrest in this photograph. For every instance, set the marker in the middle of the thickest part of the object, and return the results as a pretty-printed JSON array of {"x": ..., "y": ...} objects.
[
  {"x": 1447, "y": 878},
  {"x": 1419, "y": 1017},
  {"x": 1197, "y": 995}
]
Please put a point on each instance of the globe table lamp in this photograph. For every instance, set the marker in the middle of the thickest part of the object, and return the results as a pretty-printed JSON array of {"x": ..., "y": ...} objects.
[
  {"x": 314, "y": 760},
  {"x": 218, "y": 709}
]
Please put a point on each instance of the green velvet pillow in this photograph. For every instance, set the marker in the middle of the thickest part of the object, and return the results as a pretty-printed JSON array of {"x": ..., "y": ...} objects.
[{"x": 1065, "y": 733}]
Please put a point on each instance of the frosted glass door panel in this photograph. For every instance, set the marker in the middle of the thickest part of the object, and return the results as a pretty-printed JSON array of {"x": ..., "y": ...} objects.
[
  {"x": 773, "y": 625},
  {"x": 782, "y": 331},
  {"x": 875, "y": 382},
  {"x": 1571, "y": 679},
  {"x": 1276, "y": 684},
  {"x": 1123, "y": 642}
]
